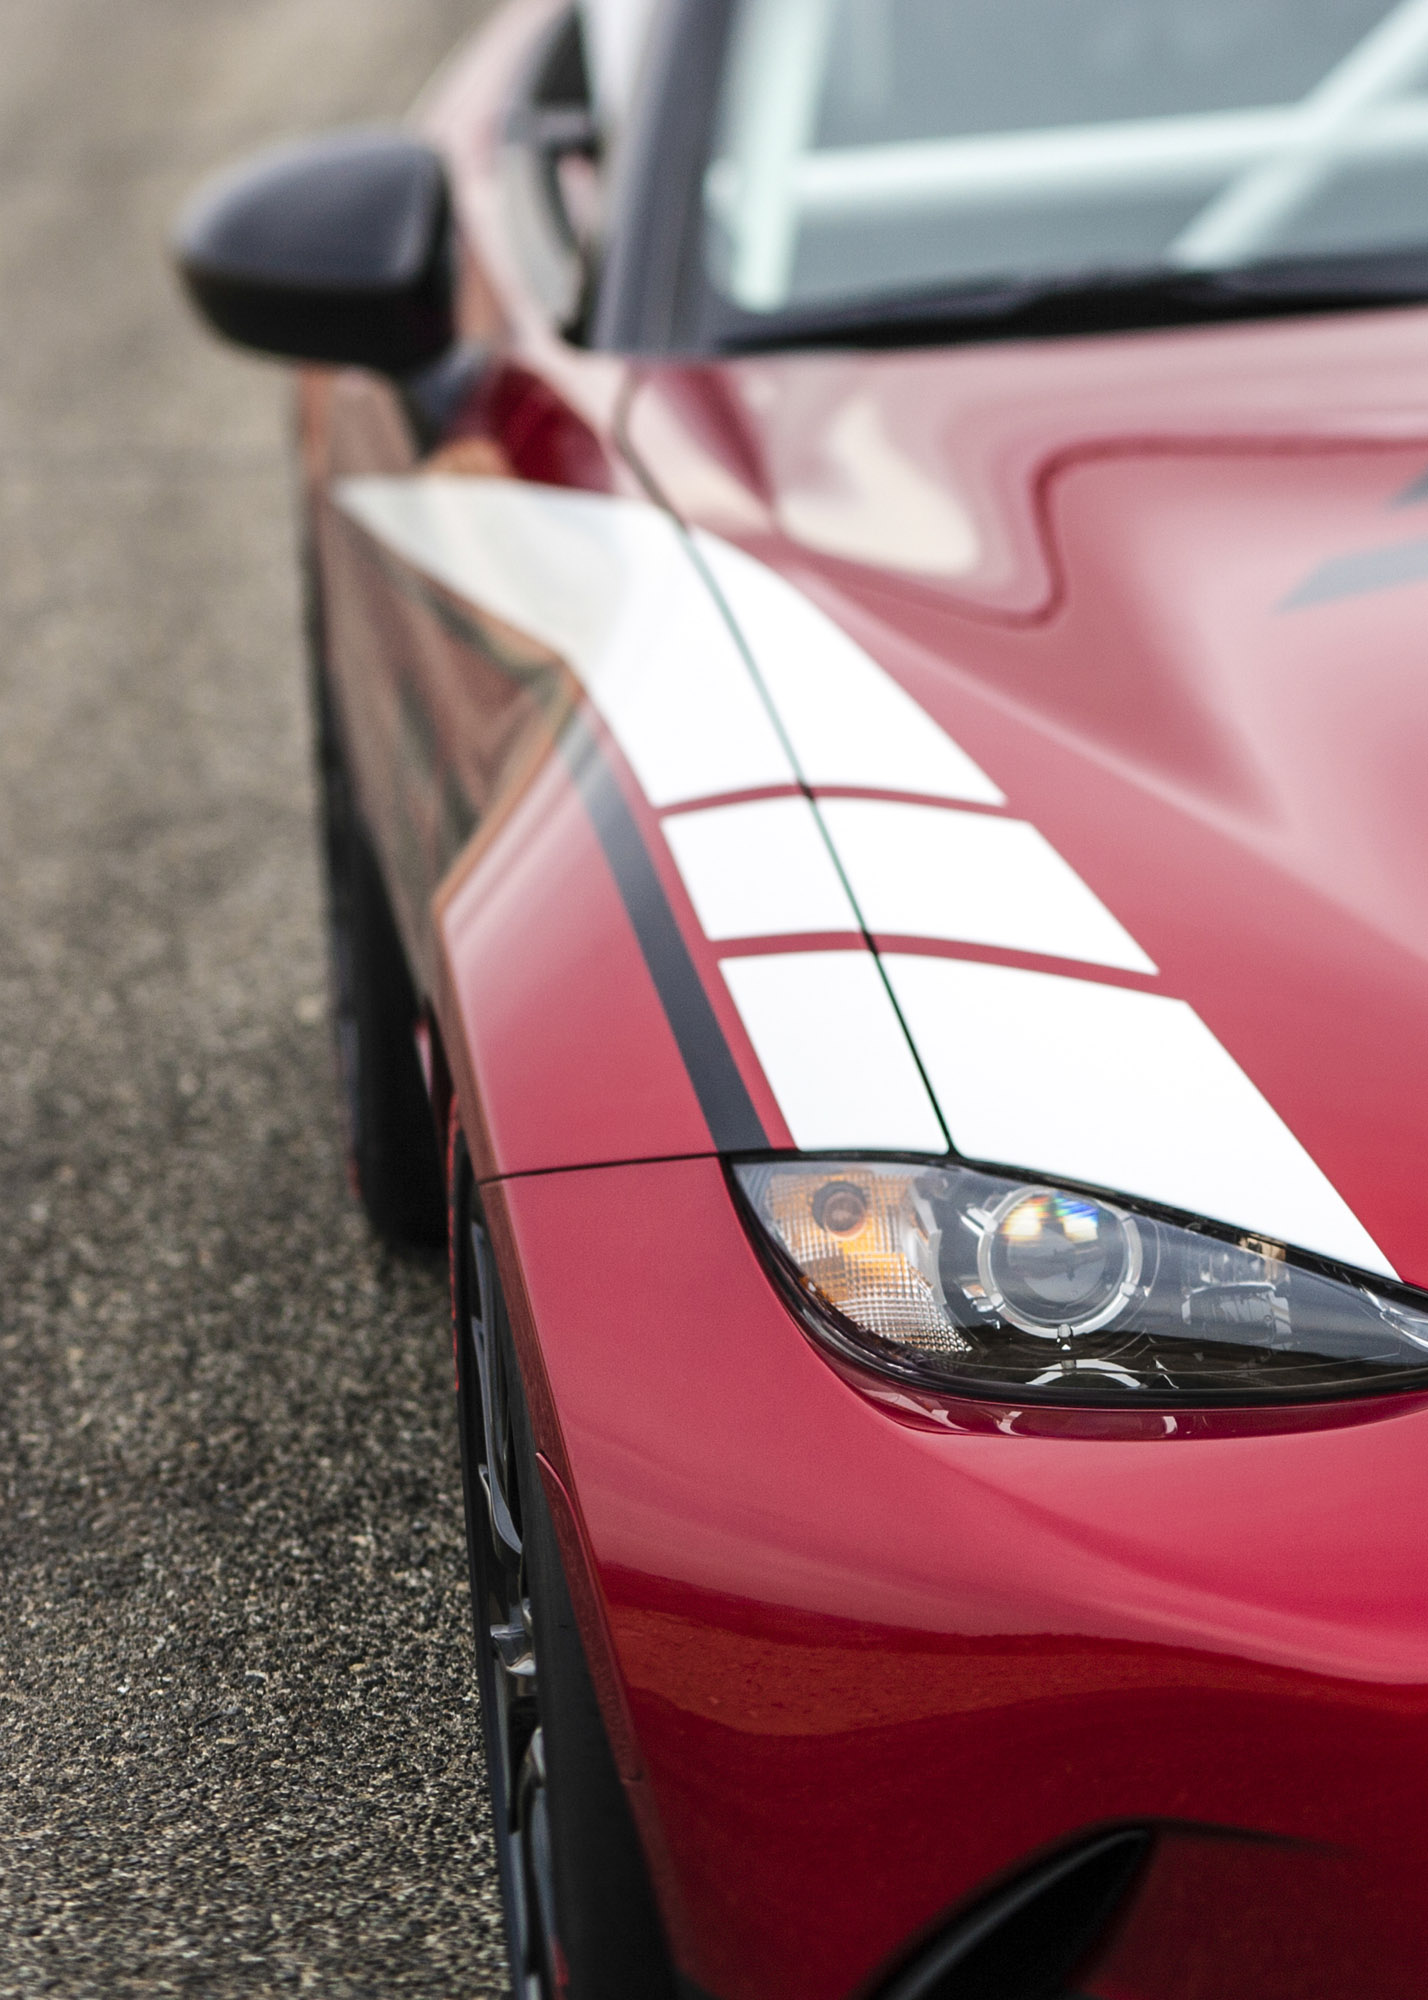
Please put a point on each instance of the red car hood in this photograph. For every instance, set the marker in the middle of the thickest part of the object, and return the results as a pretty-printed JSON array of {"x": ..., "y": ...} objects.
[
  {"x": 1167, "y": 596},
  {"x": 1079, "y": 831}
]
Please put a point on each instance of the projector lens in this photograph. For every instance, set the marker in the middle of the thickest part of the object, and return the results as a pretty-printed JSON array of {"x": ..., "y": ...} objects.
[{"x": 1058, "y": 1264}]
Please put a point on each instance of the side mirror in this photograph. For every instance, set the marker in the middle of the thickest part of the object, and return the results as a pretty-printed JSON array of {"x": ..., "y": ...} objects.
[{"x": 337, "y": 251}]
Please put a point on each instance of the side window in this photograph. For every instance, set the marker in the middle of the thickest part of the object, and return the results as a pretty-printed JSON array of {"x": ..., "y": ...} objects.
[{"x": 553, "y": 172}]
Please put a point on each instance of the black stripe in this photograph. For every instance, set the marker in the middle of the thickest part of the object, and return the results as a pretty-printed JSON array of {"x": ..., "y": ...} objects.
[
  {"x": 734, "y": 1124},
  {"x": 723, "y": 1096}
]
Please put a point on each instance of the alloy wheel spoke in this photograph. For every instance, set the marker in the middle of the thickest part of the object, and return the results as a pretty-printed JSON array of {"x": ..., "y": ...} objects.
[{"x": 518, "y": 1751}]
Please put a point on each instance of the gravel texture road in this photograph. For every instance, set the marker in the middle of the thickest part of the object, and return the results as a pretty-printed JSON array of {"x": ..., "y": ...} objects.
[{"x": 239, "y": 1743}]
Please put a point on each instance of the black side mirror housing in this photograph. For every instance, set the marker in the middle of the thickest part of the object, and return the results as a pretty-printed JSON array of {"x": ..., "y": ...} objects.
[{"x": 336, "y": 251}]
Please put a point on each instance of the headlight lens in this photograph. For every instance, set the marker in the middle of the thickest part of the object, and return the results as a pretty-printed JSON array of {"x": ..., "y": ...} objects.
[{"x": 987, "y": 1286}]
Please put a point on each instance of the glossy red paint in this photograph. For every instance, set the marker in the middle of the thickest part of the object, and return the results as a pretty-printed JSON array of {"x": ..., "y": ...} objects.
[
  {"x": 530, "y": 918},
  {"x": 870, "y": 1666},
  {"x": 1300, "y": 1917},
  {"x": 858, "y": 1661},
  {"x": 826, "y": 461}
]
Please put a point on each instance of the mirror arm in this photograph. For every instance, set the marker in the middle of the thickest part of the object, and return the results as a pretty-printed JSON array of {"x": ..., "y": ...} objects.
[
  {"x": 558, "y": 129},
  {"x": 431, "y": 397}
]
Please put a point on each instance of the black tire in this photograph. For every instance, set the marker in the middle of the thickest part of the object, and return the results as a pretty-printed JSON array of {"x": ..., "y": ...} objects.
[
  {"x": 580, "y": 1916},
  {"x": 392, "y": 1148}
]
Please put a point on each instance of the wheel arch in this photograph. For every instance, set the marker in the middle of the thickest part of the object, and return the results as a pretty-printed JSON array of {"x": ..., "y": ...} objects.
[{"x": 576, "y": 1555}]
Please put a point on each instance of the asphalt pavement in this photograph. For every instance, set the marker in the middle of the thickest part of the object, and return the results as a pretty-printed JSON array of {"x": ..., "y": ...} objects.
[{"x": 239, "y": 1741}]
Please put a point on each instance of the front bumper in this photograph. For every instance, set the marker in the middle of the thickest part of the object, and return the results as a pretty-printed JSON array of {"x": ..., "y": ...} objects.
[{"x": 860, "y": 1666}]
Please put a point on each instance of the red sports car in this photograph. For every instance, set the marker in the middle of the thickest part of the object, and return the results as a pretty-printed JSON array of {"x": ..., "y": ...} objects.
[{"x": 869, "y": 563}]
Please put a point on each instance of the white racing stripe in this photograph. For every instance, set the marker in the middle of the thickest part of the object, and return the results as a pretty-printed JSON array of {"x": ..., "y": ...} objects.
[
  {"x": 760, "y": 869},
  {"x": 847, "y": 721},
  {"x": 1123, "y": 1089},
  {"x": 607, "y": 585},
  {"x": 834, "y": 1052},
  {"x": 926, "y": 871}
]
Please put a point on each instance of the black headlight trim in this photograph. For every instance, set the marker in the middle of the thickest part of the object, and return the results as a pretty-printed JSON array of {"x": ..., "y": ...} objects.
[{"x": 842, "y": 1339}]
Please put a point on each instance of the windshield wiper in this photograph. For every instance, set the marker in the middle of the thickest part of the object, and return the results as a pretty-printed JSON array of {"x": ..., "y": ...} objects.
[{"x": 1086, "y": 302}]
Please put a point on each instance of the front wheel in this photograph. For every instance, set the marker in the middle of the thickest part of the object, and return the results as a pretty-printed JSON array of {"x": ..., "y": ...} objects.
[
  {"x": 392, "y": 1150},
  {"x": 581, "y": 1922}
]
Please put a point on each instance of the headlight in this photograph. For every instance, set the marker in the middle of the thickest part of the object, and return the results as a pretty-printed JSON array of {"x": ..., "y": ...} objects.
[{"x": 985, "y": 1286}]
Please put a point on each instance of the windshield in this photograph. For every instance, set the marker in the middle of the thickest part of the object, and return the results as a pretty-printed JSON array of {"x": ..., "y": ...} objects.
[{"x": 872, "y": 149}]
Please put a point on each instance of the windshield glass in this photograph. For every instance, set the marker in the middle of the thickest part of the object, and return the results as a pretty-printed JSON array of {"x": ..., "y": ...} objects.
[{"x": 867, "y": 149}]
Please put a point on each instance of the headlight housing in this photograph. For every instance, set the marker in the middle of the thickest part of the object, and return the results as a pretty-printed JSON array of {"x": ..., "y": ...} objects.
[{"x": 982, "y": 1285}]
